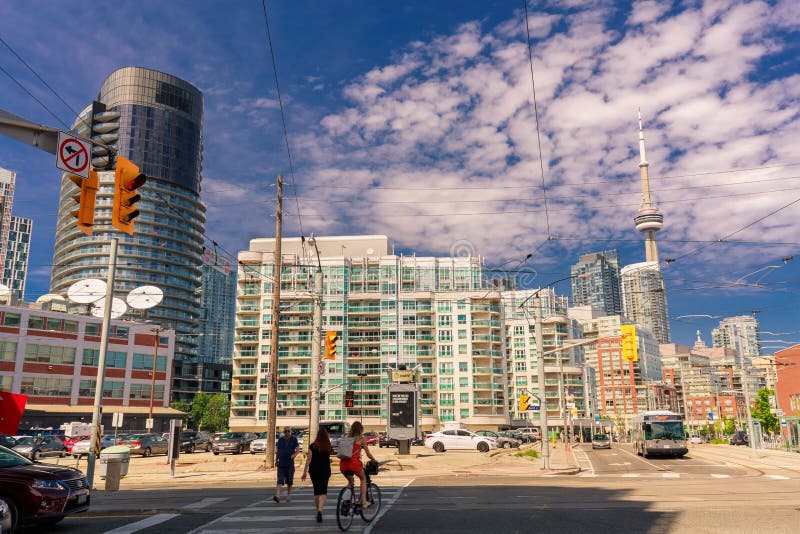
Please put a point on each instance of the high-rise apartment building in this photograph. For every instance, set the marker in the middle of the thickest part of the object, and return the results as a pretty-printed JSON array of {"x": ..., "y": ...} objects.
[
  {"x": 565, "y": 387},
  {"x": 596, "y": 282},
  {"x": 644, "y": 298},
  {"x": 430, "y": 314},
  {"x": 739, "y": 333},
  {"x": 160, "y": 130},
  {"x": 15, "y": 239},
  {"x": 218, "y": 311}
]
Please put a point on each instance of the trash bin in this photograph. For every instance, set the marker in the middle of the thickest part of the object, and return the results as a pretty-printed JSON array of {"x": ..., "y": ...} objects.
[{"x": 116, "y": 454}]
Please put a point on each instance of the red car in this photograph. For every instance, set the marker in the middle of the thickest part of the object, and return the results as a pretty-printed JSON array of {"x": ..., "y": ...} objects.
[
  {"x": 36, "y": 493},
  {"x": 371, "y": 438},
  {"x": 69, "y": 442}
]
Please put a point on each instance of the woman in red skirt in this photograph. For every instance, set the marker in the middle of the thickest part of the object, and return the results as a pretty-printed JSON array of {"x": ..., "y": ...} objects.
[{"x": 352, "y": 466}]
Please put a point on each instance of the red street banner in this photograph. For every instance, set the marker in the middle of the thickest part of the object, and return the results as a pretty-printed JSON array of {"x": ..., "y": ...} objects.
[{"x": 12, "y": 406}]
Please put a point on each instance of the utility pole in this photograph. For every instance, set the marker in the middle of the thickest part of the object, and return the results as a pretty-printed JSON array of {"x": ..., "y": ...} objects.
[
  {"x": 545, "y": 437},
  {"x": 316, "y": 347},
  {"x": 156, "y": 334},
  {"x": 94, "y": 445},
  {"x": 276, "y": 316}
]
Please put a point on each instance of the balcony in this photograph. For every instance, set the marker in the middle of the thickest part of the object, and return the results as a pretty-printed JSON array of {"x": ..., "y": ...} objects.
[
  {"x": 244, "y": 404},
  {"x": 244, "y": 372}
]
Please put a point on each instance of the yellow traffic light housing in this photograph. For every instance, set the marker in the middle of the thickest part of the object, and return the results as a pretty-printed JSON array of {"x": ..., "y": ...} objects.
[
  {"x": 630, "y": 352},
  {"x": 330, "y": 345},
  {"x": 127, "y": 180},
  {"x": 86, "y": 200},
  {"x": 524, "y": 402}
]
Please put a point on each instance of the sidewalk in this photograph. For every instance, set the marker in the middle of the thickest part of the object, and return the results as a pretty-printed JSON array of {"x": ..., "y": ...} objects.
[{"x": 204, "y": 469}]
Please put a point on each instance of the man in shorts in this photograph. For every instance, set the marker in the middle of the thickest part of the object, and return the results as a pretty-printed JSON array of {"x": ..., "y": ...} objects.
[{"x": 286, "y": 450}]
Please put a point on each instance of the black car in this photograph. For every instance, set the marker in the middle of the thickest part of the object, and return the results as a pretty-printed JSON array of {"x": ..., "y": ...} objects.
[
  {"x": 35, "y": 493},
  {"x": 7, "y": 441},
  {"x": 739, "y": 438},
  {"x": 386, "y": 441},
  {"x": 193, "y": 440}
]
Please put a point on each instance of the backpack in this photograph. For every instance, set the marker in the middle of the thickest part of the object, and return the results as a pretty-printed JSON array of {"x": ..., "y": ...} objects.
[{"x": 345, "y": 449}]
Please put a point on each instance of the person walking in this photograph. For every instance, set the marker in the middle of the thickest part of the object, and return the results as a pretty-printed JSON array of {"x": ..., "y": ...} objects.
[
  {"x": 318, "y": 465},
  {"x": 286, "y": 451},
  {"x": 352, "y": 466}
]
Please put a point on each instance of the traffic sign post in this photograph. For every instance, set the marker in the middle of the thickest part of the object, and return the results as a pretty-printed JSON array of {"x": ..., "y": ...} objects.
[{"x": 73, "y": 154}]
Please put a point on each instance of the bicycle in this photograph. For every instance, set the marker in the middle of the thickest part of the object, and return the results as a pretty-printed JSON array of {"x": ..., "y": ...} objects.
[{"x": 347, "y": 505}]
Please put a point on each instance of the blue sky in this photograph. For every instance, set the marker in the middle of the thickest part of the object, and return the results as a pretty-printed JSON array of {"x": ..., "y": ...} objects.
[{"x": 416, "y": 120}]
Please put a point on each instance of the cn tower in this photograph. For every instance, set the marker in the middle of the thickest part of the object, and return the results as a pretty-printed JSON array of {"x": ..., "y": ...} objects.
[{"x": 649, "y": 219}]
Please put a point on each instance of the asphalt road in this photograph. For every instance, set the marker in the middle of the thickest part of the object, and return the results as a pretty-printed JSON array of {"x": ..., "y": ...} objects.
[{"x": 619, "y": 492}]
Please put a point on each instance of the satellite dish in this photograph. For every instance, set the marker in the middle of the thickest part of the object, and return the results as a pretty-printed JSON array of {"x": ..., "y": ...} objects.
[
  {"x": 144, "y": 297},
  {"x": 87, "y": 291},
  {"x": 118, "y": 307},
  {"x": 5, "y": 293},
  {"x": 51, "y": 297}
]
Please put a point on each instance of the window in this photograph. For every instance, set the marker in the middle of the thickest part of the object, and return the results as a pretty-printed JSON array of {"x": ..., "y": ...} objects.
[
  {"x": 462, "y": 319},
  {"x": 445, "y": 351},
  {"x": 462, "y": 366},
  {"x": 444, "y": 306},
  {"x": 142, "y": 391},
  {"x": 49, "y": 354},
  {"x": 445, "y": 335},
  {"x": 46, "y": 387},
  {"x": 10, "y": 319},
  {"x": 8, "y": 351},
  {"x": 145, "y": 361},
  {"x": 114, "y": 359},
  {"x": 445, "y": 320},
  {"x": 464, "y": 413}
]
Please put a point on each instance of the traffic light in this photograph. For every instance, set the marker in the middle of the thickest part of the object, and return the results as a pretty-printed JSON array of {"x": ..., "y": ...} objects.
[
  {"x": 330, "y": 345},
  {"x": 524, "y": 402},
  {"x": 630, "y": 351},
  {"x": 127, "y": 180},
  {"x": 104, "y": 129},
  {"x": 349, "y": 401},
  {"x": 86, "y": 200}
]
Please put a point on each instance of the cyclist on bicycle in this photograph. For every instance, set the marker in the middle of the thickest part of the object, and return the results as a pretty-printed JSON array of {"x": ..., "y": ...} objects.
[{"x": 352, "y": 466}]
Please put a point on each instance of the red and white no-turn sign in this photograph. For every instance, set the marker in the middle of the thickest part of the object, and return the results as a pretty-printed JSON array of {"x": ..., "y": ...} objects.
[{"x": 73, "y": 154}]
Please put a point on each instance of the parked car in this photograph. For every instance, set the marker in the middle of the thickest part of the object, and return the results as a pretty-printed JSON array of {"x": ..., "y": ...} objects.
[
  {"x": 259, "y": 444},
  {"x": 192, "y": 440},
  {"x": 81, "y": 448},
  {"x": 146, "y": 444},
  {"x": 504, "y": 442},
  {"x": 459, "y": 439},
  {"x": 72, "y": 440},
  {"x": 234, "y": 442},
  {"x": 35, "y": 448},
  {"x": 34, "y": 493},
  {"x": 601, "y": 441},
  {"x": 7, "y": 441},
  {"x": 336, "y": 431},
  {"x": 421, "y": 439},
  {"x": 371, "y": 438},
  {"x": 386, "y": 441},
  {"x": 529, "y": 434},
  {"x": 695, "y": 440},
  {"x": 738, "y": 438},
  {"x": 513, "y": 435}
]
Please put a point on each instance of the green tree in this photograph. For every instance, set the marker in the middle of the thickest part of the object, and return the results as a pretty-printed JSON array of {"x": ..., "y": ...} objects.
[
  {"x": 730, "y": 426},
  {"x": 761, "y": 411},
  {"x": 207, "y": 411}
]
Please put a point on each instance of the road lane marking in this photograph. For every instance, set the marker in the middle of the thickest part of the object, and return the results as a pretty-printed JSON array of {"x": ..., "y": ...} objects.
[
  {"x": 388, "y": 505},
  {"x": 622, "y": 463},
  {"x": 204, "y": 502},
  {"x": 144, "y": 523},
  {"x": 630, "y": 475},
  {"x": 778, "y": 477},
  {"x": 658, "y": 468},
  {"x": 716, "y": 475},
  {"x": 671, "y": 475}
]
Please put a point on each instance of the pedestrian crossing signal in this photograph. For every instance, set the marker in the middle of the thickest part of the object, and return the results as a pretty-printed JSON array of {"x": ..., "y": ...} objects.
[
  {"x": 524, "y": 402},
  {"x": 349, "y": 398}
]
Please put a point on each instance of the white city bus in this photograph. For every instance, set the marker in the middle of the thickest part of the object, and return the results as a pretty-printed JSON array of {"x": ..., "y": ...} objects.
[{"x": 658, "y": 433}]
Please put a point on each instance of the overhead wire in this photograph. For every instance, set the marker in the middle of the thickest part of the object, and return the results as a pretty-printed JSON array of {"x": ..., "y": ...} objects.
[
  {"x": 4, "y": 71},
  {"x": 283, "y": 114}
]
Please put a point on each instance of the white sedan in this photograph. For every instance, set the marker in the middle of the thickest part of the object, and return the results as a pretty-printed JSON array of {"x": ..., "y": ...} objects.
[{"x": 459, "y": 439}]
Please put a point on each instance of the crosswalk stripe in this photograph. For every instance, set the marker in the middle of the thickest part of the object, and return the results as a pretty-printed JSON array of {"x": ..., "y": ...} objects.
[
  {"x": 630, "y": 475},
  {"x": 671, "y": 475},
  {"x": 715, "y": 475},
  {"x": 778, "y": 477},
  {"x": 144, "y": 523},
  {"x": 204, "y": 502}
]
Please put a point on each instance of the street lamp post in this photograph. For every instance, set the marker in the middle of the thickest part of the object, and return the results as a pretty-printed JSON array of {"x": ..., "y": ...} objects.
[
  {"x": 316, "y": 347},
  {"x": 156, "y": 334}
]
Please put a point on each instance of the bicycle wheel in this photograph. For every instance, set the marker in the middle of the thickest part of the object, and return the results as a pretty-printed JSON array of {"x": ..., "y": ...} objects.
[
  {"x": 374, "y": 498},
  {"x": 344, "y": 508}
]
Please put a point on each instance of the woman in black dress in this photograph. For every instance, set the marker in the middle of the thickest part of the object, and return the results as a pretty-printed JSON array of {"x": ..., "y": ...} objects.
[{"x": 318, "y": 465}]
